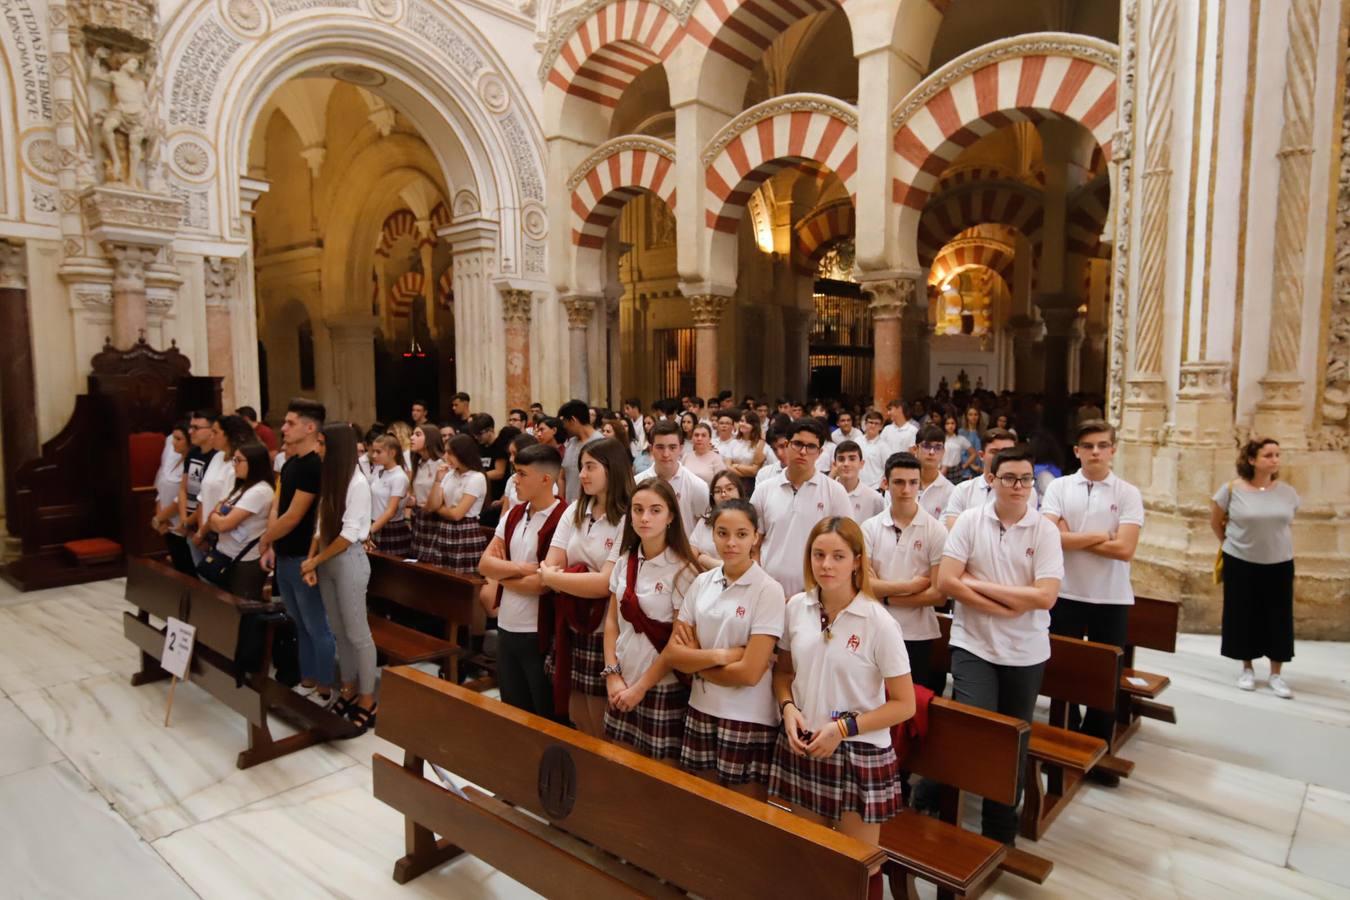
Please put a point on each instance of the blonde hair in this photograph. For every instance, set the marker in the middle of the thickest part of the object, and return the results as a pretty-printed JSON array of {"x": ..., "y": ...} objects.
[
  {"x": 401, "y": 431},
  {"x": 852, "y": 535},
  {"x": 389, "y": 444}
]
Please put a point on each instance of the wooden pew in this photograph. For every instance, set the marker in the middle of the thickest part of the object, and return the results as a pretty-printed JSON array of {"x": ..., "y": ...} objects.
[
  {"x": 159, "y": 590},
  {"x": 616, "y": 822},
  {"x": 450, "y": 597},
  {"x": 1153, "y": 623},
  {"x": 967, "y": 750}
]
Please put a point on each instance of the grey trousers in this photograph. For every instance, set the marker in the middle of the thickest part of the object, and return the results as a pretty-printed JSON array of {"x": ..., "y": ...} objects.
[
  {"x": 342, "y": 583},
  {"x": 1010, "y": 690}
]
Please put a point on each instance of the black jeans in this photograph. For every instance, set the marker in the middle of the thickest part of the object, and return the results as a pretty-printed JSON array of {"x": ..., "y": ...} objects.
[
  {"x": 1010, "y": 690},
  {"x": 1105, "y": 623},
  {"x": 520, "y": 673},
  {"x": 179, "y": 554},
  {"x": 921, "y": 666}
]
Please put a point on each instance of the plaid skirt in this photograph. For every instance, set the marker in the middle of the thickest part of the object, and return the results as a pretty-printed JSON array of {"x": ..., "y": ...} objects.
[
  {"x": 857, "y": 777},
  {"x": 395, "y": 538},
  {"x": 741, "y": 752},
  {"x": 656, "y": 727},
  {"x": 457, "y": 546},
  {"x": 588, "y": 658}
]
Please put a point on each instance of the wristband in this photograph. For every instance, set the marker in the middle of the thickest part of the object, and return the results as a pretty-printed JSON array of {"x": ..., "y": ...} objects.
[
  {"x": 843, "y": 728},
  {"x": 782, "y": 706},
  {"x": 851, "y": 725}
]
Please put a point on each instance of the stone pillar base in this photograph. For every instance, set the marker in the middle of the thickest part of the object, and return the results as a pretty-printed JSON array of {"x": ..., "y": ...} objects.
[
  {"x": 1279, "y": 415},
  {"x": 1203, "y": 415}
]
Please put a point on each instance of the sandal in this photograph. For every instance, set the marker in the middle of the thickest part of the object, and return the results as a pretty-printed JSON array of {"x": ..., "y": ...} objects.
[
  {"x": 342, "y": 704},
  {"x": 362, "y": 718}
]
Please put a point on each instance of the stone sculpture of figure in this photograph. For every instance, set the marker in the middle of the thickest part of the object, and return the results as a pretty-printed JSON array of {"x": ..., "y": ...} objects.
[
  {"x": 962, "y": 381},
  {"x": 127, "y": 112}
]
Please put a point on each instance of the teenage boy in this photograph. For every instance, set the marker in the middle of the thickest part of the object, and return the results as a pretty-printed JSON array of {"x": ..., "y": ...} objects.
[
  {"x": 285, "y": 544},
  {"x": 901, "y": 433},
  {"x": 199, "y": 456},
  {"x": 691, "y": 491},
  {"x": 264, "y": 434},
  {"x": 419, "y": 413},
  {"x": 865, "y": 499},
  {"x": 790, "y": 504},
  {"x": 518, "y": 419},
  {"x": 576, "y": 421},
  {"x": 979, "y": 490},
  {"x": 632, "y": 411},
  {"x": 512, "y": 559},
  {"x": 1002, "y": 564},
  {"x": 1099, "y": 516},
  {"x": 459, "y": 412},
  {"x": 935, "y": 490},
  {"x": 845, "y": 430},
  {"x": 778, "y": 443},
  {"x": 904, "y": 546},
  {"x": 873, "y": 449}
]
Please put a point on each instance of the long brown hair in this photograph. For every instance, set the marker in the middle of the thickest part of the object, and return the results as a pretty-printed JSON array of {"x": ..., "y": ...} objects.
[
  {"x": 676, "y": 539},
  {"x": 339, "y": 462},
  {"x": 431, "y": 446},
  {"x": 852, "y": 535},
  {"x": 614, "y": 459}
]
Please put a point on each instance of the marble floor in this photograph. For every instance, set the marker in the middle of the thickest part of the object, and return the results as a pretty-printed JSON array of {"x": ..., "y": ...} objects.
[{"x": 1248, "y": 796}]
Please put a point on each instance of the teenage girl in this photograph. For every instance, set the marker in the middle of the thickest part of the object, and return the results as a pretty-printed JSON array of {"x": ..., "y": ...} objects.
[
  {"x": 840, "y": 659},
  {"x": 655, "y": 567},
  {"x": 457, "y": 542},
  {"x": 588, "y": 538},
  {"x": 390, "y": 532},
  {"x": 728, "y": 626},
  {"x": 725, "y": 486}
]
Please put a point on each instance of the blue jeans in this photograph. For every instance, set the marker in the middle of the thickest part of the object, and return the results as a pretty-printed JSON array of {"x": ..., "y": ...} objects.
[{"x": 304, "y": 604}]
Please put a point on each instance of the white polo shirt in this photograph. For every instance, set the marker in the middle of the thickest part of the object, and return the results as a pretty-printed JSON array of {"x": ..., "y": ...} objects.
[
  {"x": 874, "y": 459},
  {"x": 726, "y": 615},
  {"x": 899, "y": 439},
  {"x": 690, "y": 491},
  {"x": 825, "y": 461},
  {"x": 386, "y": 484},
  {"x": 976, "y": 491},
  {"x": 519, "y": 612},
  {"x": 786, "y": 517},
  {"x": 424, "y": 480},
  {"x": 936, "y": 498},
  {"x": 901, "y": 555},
  {"x": 455, "y": 485},
  {"x": 594, "y": 542},
  {"x": 771, "y": 468},
  {"x": 1095, "y": 506},
  {"x": 661, "y": 585},
  {"x": 847, "y": 672},
  {"x": 701, "y": 538},
  {"x": 866, "y": 500},
  {"x": 1016, "y": 556}
]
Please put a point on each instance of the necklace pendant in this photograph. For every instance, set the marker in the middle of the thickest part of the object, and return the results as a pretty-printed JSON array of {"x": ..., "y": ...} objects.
[{"x": 828, "y": 634}]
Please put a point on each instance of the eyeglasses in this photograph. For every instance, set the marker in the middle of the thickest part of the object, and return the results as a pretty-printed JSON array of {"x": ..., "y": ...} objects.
[
  {"x": 238, "y": 459},
  {"x": 726, "y": 490},
  {"x": 804, "y": 448},
  {"x": 1101, "y": 445},
  {"x": 932, "y": 446},
  {"x": 1010, "y": 481}
]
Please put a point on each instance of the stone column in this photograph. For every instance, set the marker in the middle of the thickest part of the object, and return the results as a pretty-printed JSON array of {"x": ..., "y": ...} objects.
[
  {"x": 797, "y": 323},
  {"x": 1063, "y": 336},
  {"x": 1092, "y": 359},
  {"x": 1280, "y": 412},
  {"x": 129, "y": 312},
  {"x": 889, "y": 299},
  {"x": 478, "y": 323},
  {"x": 580, "y": 312},
  {"x": 517, "y": 309},
  {"x": 708, "y": 310},
  {"x": 18, "y": 387},
  {"x": 351, "y": 346},
  {"x": 426, "y": 247},
  {"x": 613, "y": 343},
  {"x": 219, "y": 282},
  {"x": 1028, "y": 346}
]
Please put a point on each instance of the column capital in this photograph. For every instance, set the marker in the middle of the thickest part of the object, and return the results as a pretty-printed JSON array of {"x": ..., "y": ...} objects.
[
  {"x": 517, "y": 305},
  {"x": 220, "y": 276},
  {"x": 250, "y": 189},
  {"x": 13, "y": 265},
  {"x": 580, "y": 308},
  {"x": 708, "y": 309},
  {"x": 471, "y": 233},
  {"x": 1204, "y": 380},
  {"x": 129, "y": 262},
  {"x": 891, "y": 296}
]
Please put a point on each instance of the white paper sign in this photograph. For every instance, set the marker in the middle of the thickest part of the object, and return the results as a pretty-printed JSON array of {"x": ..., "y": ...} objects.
[
  {"x": 1137, "y": 682},
  {"x": 178, "y": 641}
]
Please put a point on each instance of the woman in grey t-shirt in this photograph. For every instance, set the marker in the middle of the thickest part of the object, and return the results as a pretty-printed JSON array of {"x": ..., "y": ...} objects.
[{"x": 1253, "y": 517}]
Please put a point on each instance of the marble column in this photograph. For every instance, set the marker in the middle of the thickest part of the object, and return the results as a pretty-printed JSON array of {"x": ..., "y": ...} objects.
[
  {"x": 1063, "y": 336},
  {"x": 580, "y": 311},
  {"x": 219, "y": 283},
  {"x": 1028, "y": 364},
  {"x": 889, "y": 299},
  {"x": 18, "y": 388},
  {"x": 426, "y": 248},
  {"x": 517, "y": 310},
  {"x": 708, "y": 310},
  {"x": 479, "y": 330},
  {"x": 129, "y": 313},
  {"x": 351, "y": 353}
]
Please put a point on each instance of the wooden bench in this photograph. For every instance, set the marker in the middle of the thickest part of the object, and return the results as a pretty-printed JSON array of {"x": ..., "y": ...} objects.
[
  {"x": 1153, "y": 623},
  {"x": 220, "y": 618},
  {"x": 612, "y": 823},
  {"x": 966, "y": 750},
  {"x": 450, "y": 598}
]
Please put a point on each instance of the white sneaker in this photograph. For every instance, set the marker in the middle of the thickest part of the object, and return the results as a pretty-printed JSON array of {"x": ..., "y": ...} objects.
[
  {"x": 1247, "y": 680},
  {"x": 1280, "y": 688}
]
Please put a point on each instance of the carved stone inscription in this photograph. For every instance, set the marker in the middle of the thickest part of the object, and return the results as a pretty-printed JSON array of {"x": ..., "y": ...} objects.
[
  {"x": 25, "y": 31},
  {"x": 197, "y": 72}
]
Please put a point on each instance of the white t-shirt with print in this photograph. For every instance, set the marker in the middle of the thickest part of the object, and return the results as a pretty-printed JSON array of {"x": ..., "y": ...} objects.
[
  {"x": 1017, "y": 557},
  {"x": 660, "y": 587},
  {"x": 847, "y": 671},
  {"x": 903, "y": 554},
  {"x": 1095, "y": 506},
  {"x": 726, "y": 615},
  {"x": 217, "y": 483},
  {"x": 258, "y": 501}
]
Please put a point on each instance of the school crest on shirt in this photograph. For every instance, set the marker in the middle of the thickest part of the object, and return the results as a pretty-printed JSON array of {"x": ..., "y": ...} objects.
[
  {"x": 660, "y": 587},
  {"x": 1031, "y": 551},
  {"x": 918, "y": 546},
  {"x": 1114, "y": 508},
  {"x": 820, "y": 507},
  {"x": 609, "y": 544},
  {"x": 853, "y": 643},
  {"x": 740, "y": 612}
]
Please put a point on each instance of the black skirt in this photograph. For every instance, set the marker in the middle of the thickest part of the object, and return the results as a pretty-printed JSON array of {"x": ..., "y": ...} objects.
[{"x": 1258, "y": 610}]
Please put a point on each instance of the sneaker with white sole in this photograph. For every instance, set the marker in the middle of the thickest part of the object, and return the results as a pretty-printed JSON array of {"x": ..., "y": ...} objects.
[
  {"x": 1280, "y": 688},
  {"x": 1247, "y": 680}
]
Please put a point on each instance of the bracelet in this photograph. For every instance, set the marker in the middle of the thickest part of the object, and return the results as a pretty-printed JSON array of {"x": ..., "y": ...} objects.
[
  {"x": 843, "y": 729},
  {"x": 615, "y": 669},
  {"x": 782, "y": 706},
  {"x": 851, "y": 725}
]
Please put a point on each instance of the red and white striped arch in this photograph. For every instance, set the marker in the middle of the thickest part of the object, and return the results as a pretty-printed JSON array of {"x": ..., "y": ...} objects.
[
  {"x": 1088, "y": 210},
  {"x": 759, "y": 142},
  {"x": 440, "y": 217},
  {"x": 397, "y": 225},
  {"x": 1019, "y": 79},
  {"x": 611, "y": 176},
  {"x": 964, "y": 255},
  {"x": 403, "y": 292},
  {"x": 831, "y": 222},
  {"x": 445, "y": 288},
  {"x": 948, "y": 214},
  {"x": 611, "y": 47},
  {"x": 741, "y": 30}
]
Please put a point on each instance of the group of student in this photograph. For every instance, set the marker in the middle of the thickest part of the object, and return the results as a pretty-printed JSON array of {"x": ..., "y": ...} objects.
[{"x": 763, "y": 623}]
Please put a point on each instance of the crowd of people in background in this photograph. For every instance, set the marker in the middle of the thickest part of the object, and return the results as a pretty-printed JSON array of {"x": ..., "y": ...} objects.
[{"x": 748, "y": 589}]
